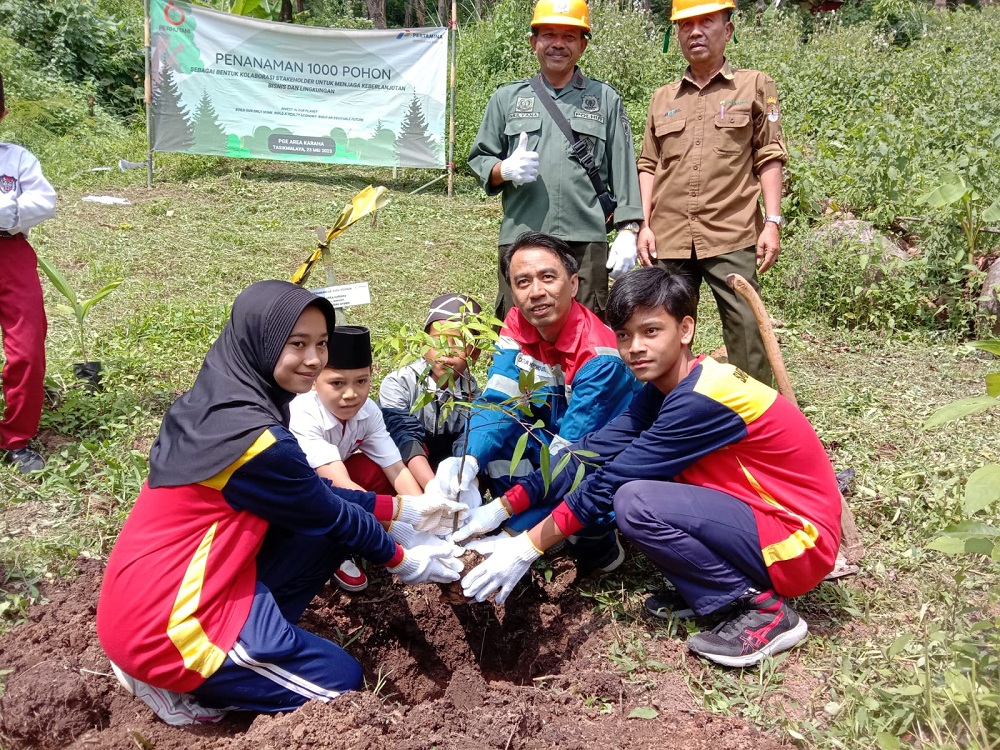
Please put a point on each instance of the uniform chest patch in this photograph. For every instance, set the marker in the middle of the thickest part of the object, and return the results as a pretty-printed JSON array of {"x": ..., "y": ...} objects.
[
  {"x": 524, "y": 104},
  {"x": 590, "y": 103},
  {"x": 7, "y": 183}
]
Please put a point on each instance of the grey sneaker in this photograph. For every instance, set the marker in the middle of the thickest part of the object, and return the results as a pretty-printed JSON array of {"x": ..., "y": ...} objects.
[
  {"x": 762, "y": 625},
  {"x": 27, "y": 460}
]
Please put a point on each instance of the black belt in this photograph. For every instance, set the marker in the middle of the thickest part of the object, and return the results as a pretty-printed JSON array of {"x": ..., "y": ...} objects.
[{"x": 6, "y": 234}]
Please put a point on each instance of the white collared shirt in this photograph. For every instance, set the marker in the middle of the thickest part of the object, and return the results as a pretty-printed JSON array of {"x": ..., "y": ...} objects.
[
  {"x": 325, "y": 439},
  {"x": 21, "y": 179}
]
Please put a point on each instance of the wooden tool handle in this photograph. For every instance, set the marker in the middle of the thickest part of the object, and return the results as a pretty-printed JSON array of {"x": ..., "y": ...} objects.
[{"x": 742, "y": 287}]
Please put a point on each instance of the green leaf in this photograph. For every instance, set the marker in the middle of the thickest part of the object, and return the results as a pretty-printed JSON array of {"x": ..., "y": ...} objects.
[
  {"x": 992, "y": 213},
  {"x": 888, "y": 741},
  {"x": 544, "y": 465},
  {"x": 58, "y": 281},
  {"x": 992, "y": 346},
  {"x": 982, "y": 489},
  {"x": 948, "y": 545},
  {"x": 104, "y": 292},
  {"x": 968, "y": 529},
  {"x": 979, "y": 546},
  {"x": 643, "y": 712},
  {"x": 946, "y": 194},
  {"x": 515, "y": 459},
  {"x": 899, "y": 644},
  {"x": 561, "y": 463},
  {"x": 958, "y": 409},
  {"x": 581, "y": 472},
  {"x": 422, "y": 400},
  {"x": 993, "y": 384}
]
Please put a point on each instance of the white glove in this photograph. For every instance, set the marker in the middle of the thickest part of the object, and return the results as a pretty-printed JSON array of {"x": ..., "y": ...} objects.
[
  {"x": 510, "y": 558},
  {"x": 409, "y": 538},
  {"x": 430, "y": 512},
  {"x": 428, "y": 565},
  {"x": 470, "y": 498},
  {"x": 522, "y": 165},
  {"x": 448, "y": 479},
  {"x": 482, "y": 520},
  {"x": 8, "y": 212},
  {"x": 623, "y": 254}
]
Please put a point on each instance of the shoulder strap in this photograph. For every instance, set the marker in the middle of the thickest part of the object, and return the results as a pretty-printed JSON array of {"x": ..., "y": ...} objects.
[{"x": 578, "y": 147}]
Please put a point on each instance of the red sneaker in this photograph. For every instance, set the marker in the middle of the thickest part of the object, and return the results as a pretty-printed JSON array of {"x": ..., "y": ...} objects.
[{"x": 350, "y": 577}]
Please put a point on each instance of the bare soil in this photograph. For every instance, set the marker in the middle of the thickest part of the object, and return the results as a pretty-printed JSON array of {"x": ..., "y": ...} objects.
[{"x": 532, "y": 674}]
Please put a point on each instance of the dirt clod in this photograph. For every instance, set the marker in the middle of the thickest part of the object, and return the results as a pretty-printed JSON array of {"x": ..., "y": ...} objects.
[{"x": 451, "y": 593}]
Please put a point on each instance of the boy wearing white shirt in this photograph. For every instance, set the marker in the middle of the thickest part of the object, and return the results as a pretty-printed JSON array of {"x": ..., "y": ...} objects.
[
  {"x": 26, "y": 199},
  {"x": 342, "y": 432}
]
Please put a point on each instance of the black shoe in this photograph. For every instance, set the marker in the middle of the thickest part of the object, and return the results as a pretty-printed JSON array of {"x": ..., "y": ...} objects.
[
  {"x": 596, "y": 555},
  {"x": 25, "y": 459},
  {"x": 763, "y": 625},
  {"x": 667, "y": 603}
]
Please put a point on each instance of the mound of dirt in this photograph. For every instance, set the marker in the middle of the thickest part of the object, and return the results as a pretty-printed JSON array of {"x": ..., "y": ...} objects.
[{"x": 531, "y": 674}]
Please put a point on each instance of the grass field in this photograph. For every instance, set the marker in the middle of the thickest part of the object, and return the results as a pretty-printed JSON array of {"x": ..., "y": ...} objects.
[{"x": 908, "y": 648}]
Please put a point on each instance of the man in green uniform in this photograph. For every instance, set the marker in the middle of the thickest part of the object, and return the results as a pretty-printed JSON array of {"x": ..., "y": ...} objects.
[
  {"x": 521, "y": 153},
  {"x": 711, "y": 147}
]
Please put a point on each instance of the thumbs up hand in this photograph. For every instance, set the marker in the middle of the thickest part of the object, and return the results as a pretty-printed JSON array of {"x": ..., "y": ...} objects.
[{"x": 522, "y": 165}]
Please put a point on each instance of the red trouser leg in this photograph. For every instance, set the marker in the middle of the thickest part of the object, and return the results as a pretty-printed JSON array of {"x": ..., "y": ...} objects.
[
  {"x": 368, "y": 474},
  {"x": 22, "y": 321}
]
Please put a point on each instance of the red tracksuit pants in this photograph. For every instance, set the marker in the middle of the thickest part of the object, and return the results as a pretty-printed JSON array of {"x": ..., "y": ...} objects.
[{"x": 23, "y": 324}]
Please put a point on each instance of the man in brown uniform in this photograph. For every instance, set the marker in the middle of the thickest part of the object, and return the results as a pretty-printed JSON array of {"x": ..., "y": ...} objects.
[{"x": 712, "y": 145}]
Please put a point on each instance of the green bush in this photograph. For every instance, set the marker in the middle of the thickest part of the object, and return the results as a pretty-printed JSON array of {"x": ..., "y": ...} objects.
[
  {"x": 85, "y": 42},
  {"x": 52, "y": 118}
]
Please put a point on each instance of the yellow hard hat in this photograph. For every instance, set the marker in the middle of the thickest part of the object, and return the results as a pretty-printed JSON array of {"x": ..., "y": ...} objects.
[
  {"x": 689, "y": 8},
  {"x": 561, "y": 13}
]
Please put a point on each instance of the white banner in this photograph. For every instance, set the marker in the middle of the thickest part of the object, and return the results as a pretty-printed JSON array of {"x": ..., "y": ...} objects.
[{"x": 235, "y": 86}]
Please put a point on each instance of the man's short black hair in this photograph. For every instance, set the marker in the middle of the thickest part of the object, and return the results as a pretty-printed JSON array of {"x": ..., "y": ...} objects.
[
  {"x": 655, "y": 286},
  {"x": 544, "y": 241},
  {"x": 1, "y": 93}
]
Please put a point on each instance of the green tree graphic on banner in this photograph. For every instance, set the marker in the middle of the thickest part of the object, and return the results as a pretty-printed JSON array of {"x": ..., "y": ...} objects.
[
  {"x": 209, "y": 137},
  {"x": 415, "y": 147},
  {"x": 171, "y": 122}
]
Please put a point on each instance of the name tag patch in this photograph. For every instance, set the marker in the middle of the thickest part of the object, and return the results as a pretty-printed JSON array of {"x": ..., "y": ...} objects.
[{"x": 527, "y": 364}]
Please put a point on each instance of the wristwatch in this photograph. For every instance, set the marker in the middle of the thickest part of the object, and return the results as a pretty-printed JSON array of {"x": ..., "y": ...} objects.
[
  {"x": 774, "y": 219},
  {"x": 629, "y": 226}
]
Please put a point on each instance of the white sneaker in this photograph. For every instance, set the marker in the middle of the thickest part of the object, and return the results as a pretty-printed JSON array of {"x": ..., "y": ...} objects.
[{"x": 176, "y": 709}]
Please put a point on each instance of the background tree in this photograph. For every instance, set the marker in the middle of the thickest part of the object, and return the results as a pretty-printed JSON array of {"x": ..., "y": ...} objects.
[{"x": 376, "y": 12}]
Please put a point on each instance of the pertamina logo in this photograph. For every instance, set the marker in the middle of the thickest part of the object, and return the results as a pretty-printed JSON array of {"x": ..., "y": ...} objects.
[
  {"x": 420, "y": 36},
  {"x": 173, "y": 15}
]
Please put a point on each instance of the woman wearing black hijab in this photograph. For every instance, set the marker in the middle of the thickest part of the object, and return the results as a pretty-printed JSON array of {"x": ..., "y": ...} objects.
[{"x": 233, "y": 533}]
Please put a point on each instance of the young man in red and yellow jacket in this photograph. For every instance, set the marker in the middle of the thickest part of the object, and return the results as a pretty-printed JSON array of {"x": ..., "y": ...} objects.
[{"x": 716, "y": 477}]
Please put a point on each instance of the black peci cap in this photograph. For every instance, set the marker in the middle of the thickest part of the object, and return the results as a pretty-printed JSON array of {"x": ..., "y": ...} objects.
[{"x": 350, "y": 348}]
